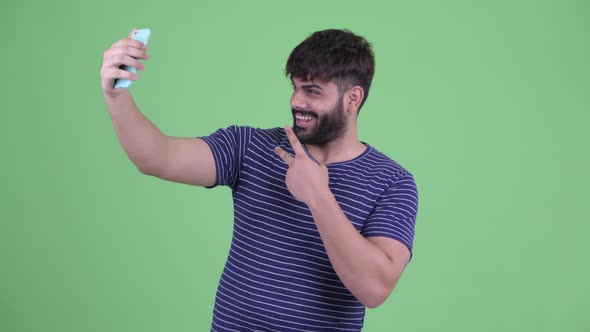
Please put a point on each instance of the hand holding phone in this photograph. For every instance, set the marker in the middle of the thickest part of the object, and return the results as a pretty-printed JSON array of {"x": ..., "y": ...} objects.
[{"x": 141, "y": 35}]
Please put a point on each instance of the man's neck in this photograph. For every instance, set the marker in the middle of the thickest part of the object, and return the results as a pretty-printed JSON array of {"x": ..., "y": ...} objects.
[{"x": 340, "y": 150}]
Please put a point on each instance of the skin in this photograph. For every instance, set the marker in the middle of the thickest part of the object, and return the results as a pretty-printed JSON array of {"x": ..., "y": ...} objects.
[{"x": 369, "y": 267}]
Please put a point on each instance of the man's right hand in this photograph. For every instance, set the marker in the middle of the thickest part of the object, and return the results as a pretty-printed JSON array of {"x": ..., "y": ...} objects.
[
  {"x": 126, "y": 51},
  {"x": 177, "y": 159}
]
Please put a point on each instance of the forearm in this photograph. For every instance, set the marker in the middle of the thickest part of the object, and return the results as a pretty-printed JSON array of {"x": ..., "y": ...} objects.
[
  {"x": 143, "y": 142},
  {"x": 363, "y": 267}
]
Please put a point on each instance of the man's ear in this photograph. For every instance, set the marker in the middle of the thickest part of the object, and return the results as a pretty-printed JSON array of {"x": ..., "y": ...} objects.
[{"x": 354, "y": 98}]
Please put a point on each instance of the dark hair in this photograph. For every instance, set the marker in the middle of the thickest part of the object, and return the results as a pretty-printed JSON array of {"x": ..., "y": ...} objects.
[{"x": 334, "y": 55}]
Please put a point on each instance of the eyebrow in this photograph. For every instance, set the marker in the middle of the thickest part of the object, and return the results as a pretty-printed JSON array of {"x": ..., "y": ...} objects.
[{"x": 309, "y": 85}]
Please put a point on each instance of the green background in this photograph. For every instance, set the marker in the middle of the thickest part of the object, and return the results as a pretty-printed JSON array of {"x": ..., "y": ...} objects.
[{"x": 486, "y": 102}]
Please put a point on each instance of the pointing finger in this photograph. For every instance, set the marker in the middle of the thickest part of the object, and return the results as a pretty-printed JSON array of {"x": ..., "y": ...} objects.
[
  {"x": 297, "y": 147},
  {"x": 287, "y": 158},
  {"x": 128, "y": 42}
]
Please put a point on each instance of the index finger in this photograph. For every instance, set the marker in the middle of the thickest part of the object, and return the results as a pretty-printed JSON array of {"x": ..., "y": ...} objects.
[
  {"x": 129, "y": 42},
  {"x": 297, "y": 147}
]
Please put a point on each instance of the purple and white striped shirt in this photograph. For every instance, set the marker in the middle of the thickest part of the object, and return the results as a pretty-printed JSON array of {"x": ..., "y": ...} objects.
[{"x": 278, "y": 276}]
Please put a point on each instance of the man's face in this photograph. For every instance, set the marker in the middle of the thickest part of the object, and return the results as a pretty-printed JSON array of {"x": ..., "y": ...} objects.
[{"x": 318, "y": 112}]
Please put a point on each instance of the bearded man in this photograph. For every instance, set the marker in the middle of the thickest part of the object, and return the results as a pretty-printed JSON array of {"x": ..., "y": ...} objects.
[{"x": 323, "y": 222}]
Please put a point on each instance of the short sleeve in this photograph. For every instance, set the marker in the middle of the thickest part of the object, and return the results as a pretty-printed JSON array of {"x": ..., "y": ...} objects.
[
  {"x": 228, "y": 146},
  {"x": 394, "y": 215}
]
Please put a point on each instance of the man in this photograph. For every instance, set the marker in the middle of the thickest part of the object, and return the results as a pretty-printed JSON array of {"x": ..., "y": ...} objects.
[{"x": 324, "y": 223}]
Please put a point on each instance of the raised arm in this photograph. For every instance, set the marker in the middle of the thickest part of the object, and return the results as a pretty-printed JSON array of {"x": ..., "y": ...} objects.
[{"x": 184, "y": 160}]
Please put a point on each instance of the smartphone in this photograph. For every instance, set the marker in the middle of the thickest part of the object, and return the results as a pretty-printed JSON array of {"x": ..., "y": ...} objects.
[{"x": 141, "y": 35}]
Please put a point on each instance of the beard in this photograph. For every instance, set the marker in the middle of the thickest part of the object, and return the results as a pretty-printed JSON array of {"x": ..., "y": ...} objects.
[{"x": 327, "y": 128}]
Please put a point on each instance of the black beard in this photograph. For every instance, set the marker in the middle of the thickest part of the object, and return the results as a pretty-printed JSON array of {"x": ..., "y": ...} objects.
[{"x": 328, "y": 127}]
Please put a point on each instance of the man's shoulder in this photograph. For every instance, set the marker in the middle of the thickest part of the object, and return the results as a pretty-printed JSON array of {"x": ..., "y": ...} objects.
[
  {"x": 271, "y": 132},
  {"x": 382, "y": 162},
  {"x": 276, "y": 132},
  {"x": 263, "y": 135},
  {"x": 248, "y": 132}
]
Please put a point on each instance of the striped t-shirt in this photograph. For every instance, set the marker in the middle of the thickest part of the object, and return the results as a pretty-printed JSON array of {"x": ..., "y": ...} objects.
[{"x": 278, "y": 276}]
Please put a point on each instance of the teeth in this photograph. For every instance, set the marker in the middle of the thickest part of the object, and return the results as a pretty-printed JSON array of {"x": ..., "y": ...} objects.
[{"x": 304, "y": 117}]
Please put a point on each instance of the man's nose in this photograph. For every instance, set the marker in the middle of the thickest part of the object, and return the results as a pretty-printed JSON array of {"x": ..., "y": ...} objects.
[{"x": 297, "y": 101}]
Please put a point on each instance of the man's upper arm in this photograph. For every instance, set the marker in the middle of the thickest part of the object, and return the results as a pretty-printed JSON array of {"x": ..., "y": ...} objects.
[
  {"x": 397, "y": 252},
  {"x": 190, "y": 161},
  {"x": 394, "y": 215},
  {"x": 390, "y": 225}
]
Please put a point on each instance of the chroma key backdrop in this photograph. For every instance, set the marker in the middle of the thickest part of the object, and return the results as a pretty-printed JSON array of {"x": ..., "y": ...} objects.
[{"x": 487, "y": 103}]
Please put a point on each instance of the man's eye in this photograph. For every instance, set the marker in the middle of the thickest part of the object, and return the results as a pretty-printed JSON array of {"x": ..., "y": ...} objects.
[{"x": 311, "y": 92}]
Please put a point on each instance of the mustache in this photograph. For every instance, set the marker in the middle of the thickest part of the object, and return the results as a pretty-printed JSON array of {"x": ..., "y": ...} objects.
[{"x": 305, "y": 112}]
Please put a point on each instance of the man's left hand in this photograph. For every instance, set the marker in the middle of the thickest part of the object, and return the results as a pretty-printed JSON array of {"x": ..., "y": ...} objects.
[{"x": 306, "y": 180}]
